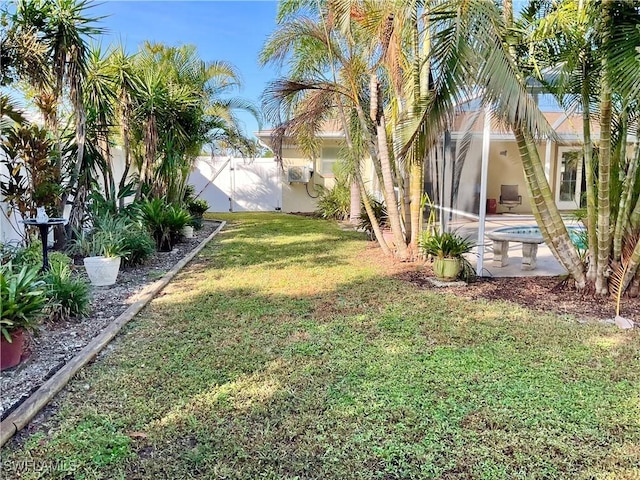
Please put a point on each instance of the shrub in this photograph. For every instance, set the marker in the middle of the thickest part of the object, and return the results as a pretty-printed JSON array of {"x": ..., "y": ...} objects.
[
  {"x": 67, "y": 293},
  {"x": 197, "y": 208},
  {"x": 334, "y": 203},
  {"x": 139, "y": 246},
  {"x": 22, "y": 298},
  {"x": 164, "y": 221},
  {"x": 31, "y": 255},
  {"x": 380, "y": 212}
]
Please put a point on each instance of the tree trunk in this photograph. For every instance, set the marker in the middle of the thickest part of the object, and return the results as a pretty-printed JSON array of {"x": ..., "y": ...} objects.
[
  {"x": 587, "y": 151},
  {"x": 622, "y": 221},
  {"x": 125, "y": 131},
  {"x": 150, "y": 144},
  {"x": 387, "y": 174},
  {"x": 417, "y": 184},
  {"x": 604, "y": 163},
  {"x": 356, "y": 202},
  {"x": 75, "y": 217},
  {"x": 359, "y": 184},
  {"x": 545, "y": 210}
]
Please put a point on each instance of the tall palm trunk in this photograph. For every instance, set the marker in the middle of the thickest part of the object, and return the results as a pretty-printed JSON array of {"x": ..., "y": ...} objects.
[
  {"x": 604, "y": 162},
  {"x": 356, "y": 201},
  {"x": 359, "y": 183},
  {"x": 628, "y": 171},
  {"x": 587, "y": 151},
  {"x": 151, "y": 147},
  {"x": 634, "y": 219},
  {"x": 79, "y": 203},
  {"x": 385, "y": 169},
  {"x": 125, "y": 131},
  {"x": 417, "y": 186},
  {"x": 545, "y": 210}
]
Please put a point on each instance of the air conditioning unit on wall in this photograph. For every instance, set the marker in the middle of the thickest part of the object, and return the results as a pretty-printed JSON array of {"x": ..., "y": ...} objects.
[{"x": 299, "y": 174}]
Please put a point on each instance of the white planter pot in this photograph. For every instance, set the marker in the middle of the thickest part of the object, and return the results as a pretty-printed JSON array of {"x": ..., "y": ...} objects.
[
  {"x": 102, "y": 271},
  {"x": 187, "y": 231}
]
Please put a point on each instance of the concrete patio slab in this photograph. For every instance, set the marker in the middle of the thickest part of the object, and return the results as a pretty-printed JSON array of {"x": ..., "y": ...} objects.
[{"x": 546, "y": 265}]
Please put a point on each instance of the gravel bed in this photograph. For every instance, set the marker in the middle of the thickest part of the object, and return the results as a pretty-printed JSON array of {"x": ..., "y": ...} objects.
[{"x": 57, "y": 343}]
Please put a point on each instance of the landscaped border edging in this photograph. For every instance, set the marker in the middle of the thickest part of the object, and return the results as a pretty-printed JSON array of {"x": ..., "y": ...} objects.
[{"x": 23, "y": 414}]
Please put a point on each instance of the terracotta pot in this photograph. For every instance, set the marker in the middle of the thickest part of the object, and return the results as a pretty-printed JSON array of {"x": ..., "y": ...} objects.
[
  {"x": 446, "y": 269},
  {"x": 11, "y": 353}
]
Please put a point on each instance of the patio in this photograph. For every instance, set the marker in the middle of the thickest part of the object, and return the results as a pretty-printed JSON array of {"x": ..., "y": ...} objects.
[{"x": 547, "y": 265}]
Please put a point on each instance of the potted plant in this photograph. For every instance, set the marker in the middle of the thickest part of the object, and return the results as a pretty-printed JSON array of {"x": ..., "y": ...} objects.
[
  {"x": 102, "y": 250},
  {"x": 448, "y": 249},
  {"x": 22, "y": 300}
]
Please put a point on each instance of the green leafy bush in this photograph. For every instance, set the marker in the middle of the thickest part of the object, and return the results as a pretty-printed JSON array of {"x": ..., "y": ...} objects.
[
  {"x": 444, "y": 244},
  {"x": 176, "y": 218},
  {"x": 139, "y": 245},
  {"x": 164, "y": 221},
  {"x": 197, "y": 208},
  {"x": 31, "y": 255},
  {"x": 22, "y": 298},
  {"x": 67, "y": 293},
  {"x": 106, "y": 238},
  {"x": 334, "y": 203},
  {"x": 380, "y": 212}
]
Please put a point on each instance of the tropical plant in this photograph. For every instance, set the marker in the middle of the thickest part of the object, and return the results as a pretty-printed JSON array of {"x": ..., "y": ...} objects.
[
  {"x": 197, "y": 207},
  {"x": 334, "y": 203},
  {"x": 31, "y": 255},
  {"x": 31, "y": 179},
  {"x": 164, "y": 221},
  {"x": 139, "y": 245},
  {"x": 448, "y": 245},
  {"x": 68, "y": 295},
  {"x": 22, "y": 299},
  {"x": 60, "y": 30},
  {"x": 107, "y": 238},
  {"x": 379, "y": 212},
  {"x": 444, "y": 244},
  {"x": 176, "y": 218}
]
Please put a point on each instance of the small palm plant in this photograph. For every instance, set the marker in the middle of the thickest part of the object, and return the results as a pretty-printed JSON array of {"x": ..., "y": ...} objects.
[{"x": 448, "y": 249}]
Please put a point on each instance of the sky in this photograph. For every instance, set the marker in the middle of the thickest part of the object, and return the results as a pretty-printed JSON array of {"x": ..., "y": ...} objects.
[{"x": 231, "y": 30}]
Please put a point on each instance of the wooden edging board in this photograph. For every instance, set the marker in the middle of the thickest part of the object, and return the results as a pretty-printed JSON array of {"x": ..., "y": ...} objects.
[{"x": 23, "y": 414}]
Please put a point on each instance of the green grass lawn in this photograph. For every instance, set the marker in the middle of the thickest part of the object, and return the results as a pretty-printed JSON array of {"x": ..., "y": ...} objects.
[{"x": 286, "y": 351}]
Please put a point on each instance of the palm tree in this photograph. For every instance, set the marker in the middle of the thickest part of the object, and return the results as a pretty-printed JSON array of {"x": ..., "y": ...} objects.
[
  {"x": 593, "y": 50},
  {"x": 61, "y": 28},
  {"x": 178, "y": 99}
]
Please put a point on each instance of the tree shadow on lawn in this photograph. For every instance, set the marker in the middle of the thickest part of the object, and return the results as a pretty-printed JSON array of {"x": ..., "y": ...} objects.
[{"x": 370, "y": 379}]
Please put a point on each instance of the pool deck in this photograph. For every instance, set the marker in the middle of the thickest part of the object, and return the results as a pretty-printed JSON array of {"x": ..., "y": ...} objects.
[{"x": 547, "y": 265}]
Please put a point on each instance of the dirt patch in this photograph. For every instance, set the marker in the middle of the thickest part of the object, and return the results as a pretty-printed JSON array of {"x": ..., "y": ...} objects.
[
  {"x": 544, "y": 294},
  {"x": 57, "y": 343}
]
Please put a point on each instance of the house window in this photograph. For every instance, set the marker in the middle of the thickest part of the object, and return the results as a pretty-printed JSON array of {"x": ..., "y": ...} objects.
[{"x": 328, "y": 159}]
